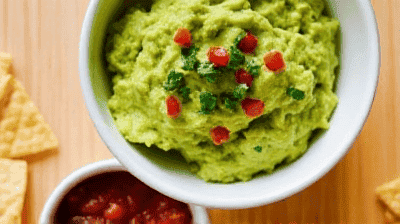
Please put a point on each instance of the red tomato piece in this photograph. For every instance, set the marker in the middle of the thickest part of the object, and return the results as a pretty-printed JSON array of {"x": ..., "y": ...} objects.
[
  {"x": 242, "y": 76},
  {"x": 93, "y": 205},
  {"x": 248, "y": 44},
  {"x": 174, "y": 106},
  {"x": 252, "y": 107},
  {"x": 183, "y": 37},
  {"x": 274, "y": 62},
  {"x": 219, "y": 135},
  {"x": 113, "y": 212},
  {"x": 219, "y": 56}
]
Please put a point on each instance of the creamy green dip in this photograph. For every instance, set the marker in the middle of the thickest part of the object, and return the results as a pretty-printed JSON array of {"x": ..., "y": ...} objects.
[{"x": 143, "y": 53}]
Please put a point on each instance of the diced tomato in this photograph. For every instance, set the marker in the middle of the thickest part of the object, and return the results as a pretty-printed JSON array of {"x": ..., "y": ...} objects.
[
  {"x": 219, "y": 56},
  {"x": 183, "y": 37},
  {"x": 113, "y": 212},
  {"x": 252, "y": 107},
  {"x": 174, "y": 106},
  {"x": 242, "y": 76},
  {"x": 93, "y": 205},
  {"x": 274, "y": 61},
  {"x": 248, "y": 44},
  {"x": 219, "y": 135}
]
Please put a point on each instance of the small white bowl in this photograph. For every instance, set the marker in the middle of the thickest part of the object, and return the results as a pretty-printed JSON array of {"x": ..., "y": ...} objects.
[
  {"x": 166, "y": 173},
  {"x": 199, "y": 214}
]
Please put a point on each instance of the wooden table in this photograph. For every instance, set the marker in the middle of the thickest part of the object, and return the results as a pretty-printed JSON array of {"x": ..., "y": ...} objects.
[{"x": 43, "y": 37}]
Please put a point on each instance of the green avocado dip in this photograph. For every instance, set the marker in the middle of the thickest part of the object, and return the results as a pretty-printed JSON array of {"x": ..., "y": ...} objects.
[{"x": 152, "y": 72}]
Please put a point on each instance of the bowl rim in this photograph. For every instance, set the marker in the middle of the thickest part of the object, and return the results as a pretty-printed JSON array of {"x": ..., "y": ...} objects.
[
  {"x": 172, "y": 191},
  {"x": 199, "y": 214}
]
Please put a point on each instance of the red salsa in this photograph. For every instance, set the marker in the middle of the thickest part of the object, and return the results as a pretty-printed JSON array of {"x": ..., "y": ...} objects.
[{"x": 119, "y": 198}]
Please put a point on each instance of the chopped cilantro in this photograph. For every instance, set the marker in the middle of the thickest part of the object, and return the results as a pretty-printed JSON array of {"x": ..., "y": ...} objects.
[
  {"x": 185, "y": 92},
  {"x": 206, "y": 69},
  {"x": 237, "y": 58},
  {"x": 189, "y": 58},
  {"x": 208, "y": 102},
  {"x": 175, "y": 80},
  {"x": 253, "y": 67},
  {"x": 239, "y": 38},
  {"x": 295, "y": 93},
  {"x": 258, "y": 148},
  {"x": 230, "y": 104},
  {"x": 240, "y": 91}
]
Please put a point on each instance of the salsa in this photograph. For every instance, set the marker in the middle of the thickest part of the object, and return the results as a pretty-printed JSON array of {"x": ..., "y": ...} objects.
[{"x": 119, "y": 198}]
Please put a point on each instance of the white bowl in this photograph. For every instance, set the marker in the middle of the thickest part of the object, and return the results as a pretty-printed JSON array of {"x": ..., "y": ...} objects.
[
  {"x": 359, "y": 70},
  {"x": 199, "y": 214}
]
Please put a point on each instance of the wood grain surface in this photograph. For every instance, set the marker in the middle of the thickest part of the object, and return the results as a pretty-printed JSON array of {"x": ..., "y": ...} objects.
[{"x": 43, "y": 37}]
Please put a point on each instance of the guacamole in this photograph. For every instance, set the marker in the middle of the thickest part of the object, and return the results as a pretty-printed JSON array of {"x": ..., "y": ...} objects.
[{"x": 148, "y": 67}]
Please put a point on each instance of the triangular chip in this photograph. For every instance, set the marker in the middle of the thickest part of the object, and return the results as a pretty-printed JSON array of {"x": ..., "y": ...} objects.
[
  {"x": 13, "y": 179},
  {"x": 10, "y": 114},
  {"x": 6, "y": 88},
  {"x": 389, "y": 193},
  {"x": 33, "y": 134},
  {"x": 5, "y": 62},
  {"x": 23, "y": 130}
]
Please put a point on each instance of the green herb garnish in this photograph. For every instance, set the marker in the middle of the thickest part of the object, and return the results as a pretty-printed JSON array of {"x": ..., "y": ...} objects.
[
  {"x": 185, "y": 92},
  {"x": 208, "y": 102},
  {"x": 295, "y": 93},
  {"x": 175, "y": 80},
  {"x": 189, "y": 58},
  {"x": 253, "y": 67},
  {"x": 236, "y": 58},
  {"x": 206, "y": 69},
  {"x": 239, "y": 38},
  {"x": 258, "y": 148},
  {"x": 230, "y": 103},
  {"x": 240, "y": 91}
]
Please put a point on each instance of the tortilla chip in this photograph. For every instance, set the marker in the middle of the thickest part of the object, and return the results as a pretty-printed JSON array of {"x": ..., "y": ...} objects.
[
  {"x": 13, "y": 180},
  {"x": 33, "y": 134},
  {"x": 389, "y": 193},
  {"x": 23, "y": 130},
  {"x": 5, "y": 62},
  {"x": 5, "y": 84},
  {"x": 10, "y": 115},
  {"x": 6, "y": 89}
]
